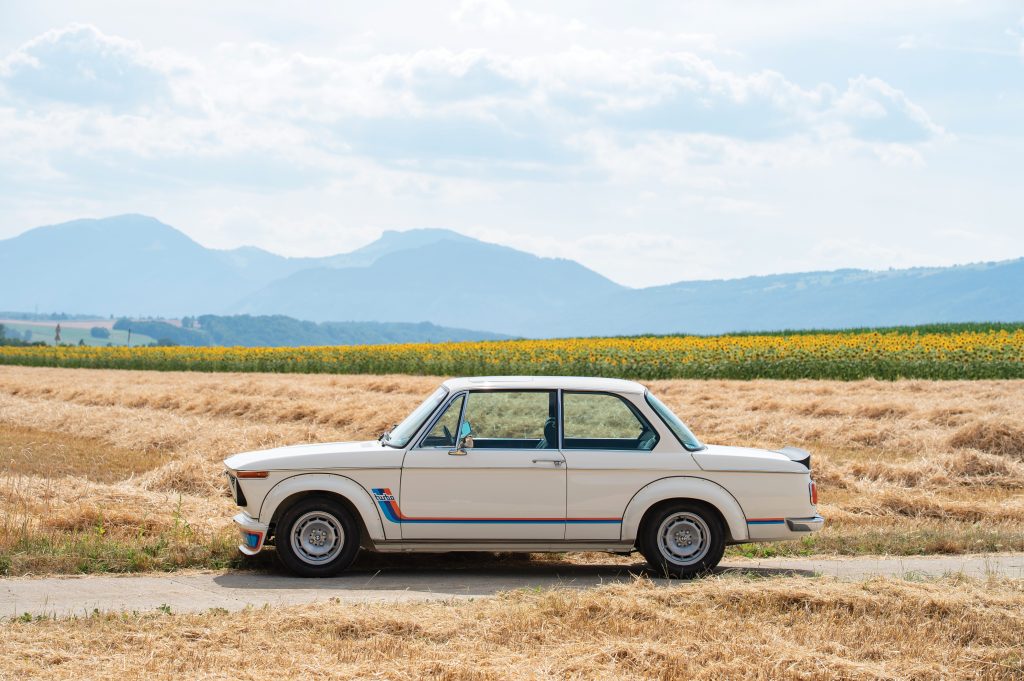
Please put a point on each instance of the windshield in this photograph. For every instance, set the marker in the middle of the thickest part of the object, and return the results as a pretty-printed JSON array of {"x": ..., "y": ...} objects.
[
  {"x": 403, "y": 432},
  {"x": 688, "y": 439}
]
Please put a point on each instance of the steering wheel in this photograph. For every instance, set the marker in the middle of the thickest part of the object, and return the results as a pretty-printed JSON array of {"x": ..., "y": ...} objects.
[{"x": 448, "y": 435}]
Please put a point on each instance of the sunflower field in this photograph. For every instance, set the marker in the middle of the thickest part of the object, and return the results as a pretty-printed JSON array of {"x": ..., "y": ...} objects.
[{"x": 883, "y": 354}]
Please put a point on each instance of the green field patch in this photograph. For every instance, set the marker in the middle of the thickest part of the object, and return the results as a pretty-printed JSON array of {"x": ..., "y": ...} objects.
[{"x": 44, "y": 333}]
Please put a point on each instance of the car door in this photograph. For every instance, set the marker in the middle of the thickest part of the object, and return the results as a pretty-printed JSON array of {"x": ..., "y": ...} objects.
[
  {"x": 609, "y": 448},
  {"x": 507, "y": 483}
]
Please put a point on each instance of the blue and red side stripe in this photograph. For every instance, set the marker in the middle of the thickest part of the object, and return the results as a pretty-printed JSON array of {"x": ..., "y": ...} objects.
[
  {"x": 389, "y": 506},
  {"x": 765, "y": 521}
]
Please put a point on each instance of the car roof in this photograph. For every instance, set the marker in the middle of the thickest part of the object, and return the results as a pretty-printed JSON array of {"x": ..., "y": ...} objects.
[{"x": 614, "y": 385}]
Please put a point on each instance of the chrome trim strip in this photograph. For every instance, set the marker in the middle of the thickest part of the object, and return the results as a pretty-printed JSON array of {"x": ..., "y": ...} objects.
[
  {"x": 812, "y": 524},
  {"x": 557, "y": 545}
]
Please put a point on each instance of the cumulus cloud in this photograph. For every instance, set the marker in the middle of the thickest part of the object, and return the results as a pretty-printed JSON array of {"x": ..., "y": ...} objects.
[
  {"x": 97, "y": 110},
  {"x": 874, "y": 110},
  {"x": 80, "y": 65},
  {"x": 484, "y": 13}
]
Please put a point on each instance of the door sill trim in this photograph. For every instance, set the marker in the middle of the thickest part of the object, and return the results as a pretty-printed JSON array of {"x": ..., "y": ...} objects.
[{"x": 554, "y": 546}]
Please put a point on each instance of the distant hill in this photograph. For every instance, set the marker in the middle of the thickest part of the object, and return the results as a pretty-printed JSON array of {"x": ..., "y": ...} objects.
[
  {"x": 281, "y": 331},
  {"x": 133, "y": 265},
  {"x": 137, "y": 266},
  {"x": 451, "y": 282}
]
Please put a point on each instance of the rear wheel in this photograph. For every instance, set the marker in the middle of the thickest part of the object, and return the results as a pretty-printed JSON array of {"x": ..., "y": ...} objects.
[
  {"x": 683, "y": 539},
  {"x": 317, "y": 537}
]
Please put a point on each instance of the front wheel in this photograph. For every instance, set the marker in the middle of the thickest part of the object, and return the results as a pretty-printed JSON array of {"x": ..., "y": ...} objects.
[
  {"x": 317, "y": 537},
  {"x": 683, "y": 540}
]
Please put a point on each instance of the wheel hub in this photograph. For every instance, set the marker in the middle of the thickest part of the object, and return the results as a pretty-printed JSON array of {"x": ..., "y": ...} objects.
[
  {"x": 684, "y": 538},
  {"x": 317, "y": 537}
]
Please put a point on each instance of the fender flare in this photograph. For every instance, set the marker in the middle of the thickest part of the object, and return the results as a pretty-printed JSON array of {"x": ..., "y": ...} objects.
[
  {"x": 684, "y": 487},
  {"x": 326, "y": 482}
]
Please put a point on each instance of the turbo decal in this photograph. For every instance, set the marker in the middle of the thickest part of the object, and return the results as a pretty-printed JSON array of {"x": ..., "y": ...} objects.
[{"x": 389, "y": 507}]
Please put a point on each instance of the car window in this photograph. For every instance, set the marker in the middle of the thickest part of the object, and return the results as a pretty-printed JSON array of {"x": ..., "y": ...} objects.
[
  {"x": 604, "y": 421},
  {"x": 443, "y": 433},
  {"x": 678, "y": 428},
  {"x": 512, "y": 419},
  {"x": 403, "y": 432}
]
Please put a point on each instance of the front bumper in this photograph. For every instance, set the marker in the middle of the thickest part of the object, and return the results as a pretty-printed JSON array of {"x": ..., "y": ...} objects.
[
  {"x": 812, "y": 524},
  {"x": 253, "y": 532}
]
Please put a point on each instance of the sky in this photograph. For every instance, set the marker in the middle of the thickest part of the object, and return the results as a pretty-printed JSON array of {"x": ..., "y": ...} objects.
[{"x": 651, "y": 141}]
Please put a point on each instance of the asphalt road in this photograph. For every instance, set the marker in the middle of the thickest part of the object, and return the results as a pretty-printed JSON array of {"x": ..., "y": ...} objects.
[{"x": 403, "y": 580}]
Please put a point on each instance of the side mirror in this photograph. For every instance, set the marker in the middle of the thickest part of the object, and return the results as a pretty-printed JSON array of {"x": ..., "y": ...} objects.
[{"x": 464, "y": 442}]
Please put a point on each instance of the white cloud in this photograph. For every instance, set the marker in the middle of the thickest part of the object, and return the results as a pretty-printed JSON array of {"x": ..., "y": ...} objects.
[
  {"x": 875, "y": 110},
  {"x": 79, "y": 65},
  {"x": 546, "y": 124},
  {"x": 482, "y": 13},
  {"x": 431, "y": 110}
]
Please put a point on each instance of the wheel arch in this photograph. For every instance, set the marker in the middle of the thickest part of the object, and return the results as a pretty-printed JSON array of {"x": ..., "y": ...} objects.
[
  {"x": 346, "y": 490},
  {"x": 685, "y": 488}
]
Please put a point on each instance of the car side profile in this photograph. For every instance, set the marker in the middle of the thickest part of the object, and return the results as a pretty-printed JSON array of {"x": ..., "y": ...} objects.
[{"x": 523, "y": 464}]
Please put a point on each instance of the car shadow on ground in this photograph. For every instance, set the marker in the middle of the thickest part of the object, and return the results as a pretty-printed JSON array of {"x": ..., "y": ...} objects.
[{"x": 471, "y": 574}]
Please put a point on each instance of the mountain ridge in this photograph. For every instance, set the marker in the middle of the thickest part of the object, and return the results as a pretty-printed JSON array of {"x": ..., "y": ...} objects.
[{"x": 133, "y": 265}]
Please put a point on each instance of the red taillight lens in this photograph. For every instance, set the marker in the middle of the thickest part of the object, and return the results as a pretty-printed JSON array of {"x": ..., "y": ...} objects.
[{"x": 813, "y": 490}]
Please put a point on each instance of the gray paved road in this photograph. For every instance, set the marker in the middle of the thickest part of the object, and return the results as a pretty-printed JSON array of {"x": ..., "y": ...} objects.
[{"x": 183, "y": 592}]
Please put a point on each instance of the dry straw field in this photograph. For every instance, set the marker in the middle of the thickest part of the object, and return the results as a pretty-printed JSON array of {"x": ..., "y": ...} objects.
[
  {"x": 716, "y": 628},
  {"x": 120, "y": 470}
]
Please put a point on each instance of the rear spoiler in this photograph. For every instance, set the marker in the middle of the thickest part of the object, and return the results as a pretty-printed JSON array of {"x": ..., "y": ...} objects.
[{"x": 801, "y": 456}]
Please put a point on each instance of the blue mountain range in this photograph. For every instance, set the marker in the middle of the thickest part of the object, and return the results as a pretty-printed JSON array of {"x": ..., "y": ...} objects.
[{"x": 137, "y": 266}]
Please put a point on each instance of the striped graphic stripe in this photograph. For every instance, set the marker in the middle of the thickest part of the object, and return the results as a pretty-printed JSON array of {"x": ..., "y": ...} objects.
[
  {"x": 389, "y": 506},
  {"x": 765, "y": 521}
]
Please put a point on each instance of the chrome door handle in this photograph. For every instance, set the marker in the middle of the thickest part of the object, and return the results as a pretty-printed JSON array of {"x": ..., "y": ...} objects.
[
  {"x": 457, "y": 452},
  {"x": 557, "y": 462}
]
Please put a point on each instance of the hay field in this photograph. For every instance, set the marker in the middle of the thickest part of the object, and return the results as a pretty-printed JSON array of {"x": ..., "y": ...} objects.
[
  {"x": 717, "y": 628},
  {"x": 120, "y": 470}
]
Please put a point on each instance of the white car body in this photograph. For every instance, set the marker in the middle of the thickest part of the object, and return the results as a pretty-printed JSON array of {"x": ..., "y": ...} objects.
[{"x": 559, "y": 498}]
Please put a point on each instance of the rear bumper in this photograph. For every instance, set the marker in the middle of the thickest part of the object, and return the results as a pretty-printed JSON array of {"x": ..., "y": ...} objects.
[
  {"x": 253, "y": 532},
  {"x": 812, "y": 524}
]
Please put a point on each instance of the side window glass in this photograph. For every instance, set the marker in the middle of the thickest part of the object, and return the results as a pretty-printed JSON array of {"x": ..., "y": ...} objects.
[
  {"x": 603, "y": 421},
  {"x": 513, "y": 419},
  {"x": 445, "y": 431}
]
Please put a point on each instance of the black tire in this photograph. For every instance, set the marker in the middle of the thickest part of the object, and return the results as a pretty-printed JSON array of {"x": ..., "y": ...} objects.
[
  {"x": 316, "y": 524},
  {"x": 693, "y": 531}
]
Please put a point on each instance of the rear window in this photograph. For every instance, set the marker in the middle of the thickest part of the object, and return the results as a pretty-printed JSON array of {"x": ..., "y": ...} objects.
[
  {"x": 678, "y": 428},
  {"x": 604, "y": 421}
]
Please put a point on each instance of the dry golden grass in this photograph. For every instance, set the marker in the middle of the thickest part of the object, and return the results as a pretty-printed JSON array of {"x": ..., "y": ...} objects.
[
  {"x": 722, "y": 628},
  {"x": 903, "y": 467},
  {"x": 26, "y": 451}
]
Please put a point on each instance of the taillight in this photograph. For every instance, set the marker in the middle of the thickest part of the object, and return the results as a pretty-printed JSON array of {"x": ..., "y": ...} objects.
[{"x": 812, "y": 490}]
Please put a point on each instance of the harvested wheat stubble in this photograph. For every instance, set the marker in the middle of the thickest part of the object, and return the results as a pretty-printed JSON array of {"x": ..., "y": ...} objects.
[
  {"x": 717, "y": 628},
  {"x": 903, "y": 467}
]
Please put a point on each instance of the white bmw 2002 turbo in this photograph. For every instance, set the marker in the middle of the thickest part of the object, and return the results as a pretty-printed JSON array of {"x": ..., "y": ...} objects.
[{"x": 524, "y": 464}]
